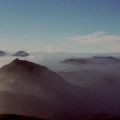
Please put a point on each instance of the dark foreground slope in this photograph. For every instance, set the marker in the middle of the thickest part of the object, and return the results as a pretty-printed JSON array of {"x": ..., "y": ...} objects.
[
  {"x": 17, "y": 117},
  {"x": 87, "y": 117},
  {"x": 30, "y": 89},
  {"x": 100, "y": 117}
]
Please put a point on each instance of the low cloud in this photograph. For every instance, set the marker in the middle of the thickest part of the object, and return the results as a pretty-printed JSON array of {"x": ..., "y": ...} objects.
[
  {"x": 97, "y": 37},
  {"x": 95, "y": 41},
  {"x": 52, "y": 48}
]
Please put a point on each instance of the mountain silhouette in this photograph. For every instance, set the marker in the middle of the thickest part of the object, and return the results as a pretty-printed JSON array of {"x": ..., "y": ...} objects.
[
  {"x": 30, "y": 89},
  {"x": 2, "y": 53},
  {"x": 96, "y": 60},
  {"x": 21, "y": 54}
]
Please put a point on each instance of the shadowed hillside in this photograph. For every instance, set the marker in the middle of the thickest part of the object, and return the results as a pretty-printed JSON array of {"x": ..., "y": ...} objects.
[
  {"x": 31, "y": 89},
  {"x": 17, "y": 117}
]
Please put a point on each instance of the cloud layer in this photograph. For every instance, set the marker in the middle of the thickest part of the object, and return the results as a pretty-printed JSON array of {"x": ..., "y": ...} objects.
[{"x": 97, "y": 41}]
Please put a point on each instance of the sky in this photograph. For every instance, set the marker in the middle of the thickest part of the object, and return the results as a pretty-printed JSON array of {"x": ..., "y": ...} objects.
[{"x": 60, "y": 25}]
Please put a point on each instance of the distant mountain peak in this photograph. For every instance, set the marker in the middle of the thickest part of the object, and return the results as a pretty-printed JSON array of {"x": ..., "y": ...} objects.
[
  {"x": 93, "y": 60},
  {"x": 21, "y": 54},
  {"x": 2, "y": 53}
]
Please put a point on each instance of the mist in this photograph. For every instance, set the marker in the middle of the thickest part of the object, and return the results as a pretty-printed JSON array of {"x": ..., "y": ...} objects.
[{"x": 98, "y": 85}]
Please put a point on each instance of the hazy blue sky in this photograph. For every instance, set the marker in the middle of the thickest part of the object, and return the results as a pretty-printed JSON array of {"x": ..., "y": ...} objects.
[{"x": 60, "y": 25}]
